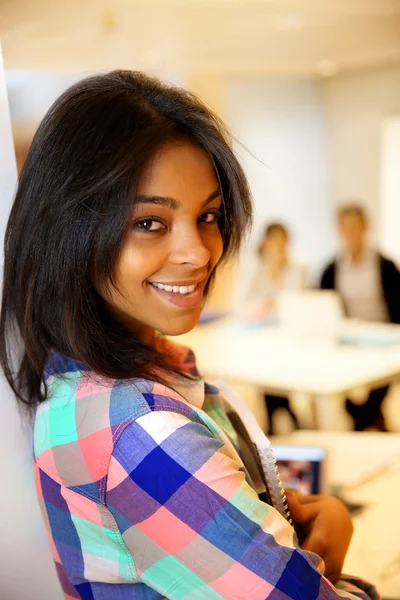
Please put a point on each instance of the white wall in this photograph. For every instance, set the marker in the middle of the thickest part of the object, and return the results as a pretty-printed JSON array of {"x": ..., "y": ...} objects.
[
  {"x": 356, "y": 106},
  {"x": 31, "y": 93},
  {"x": 281, "y": 122},
  {"x": 26, "y": 568}
]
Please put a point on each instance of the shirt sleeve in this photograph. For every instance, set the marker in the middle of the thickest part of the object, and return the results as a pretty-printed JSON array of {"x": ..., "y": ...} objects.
[{"x": 196, "y": 529}]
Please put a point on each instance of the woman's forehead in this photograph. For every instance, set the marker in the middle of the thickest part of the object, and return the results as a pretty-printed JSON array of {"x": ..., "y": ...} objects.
[{"x": 178, "y": 168}]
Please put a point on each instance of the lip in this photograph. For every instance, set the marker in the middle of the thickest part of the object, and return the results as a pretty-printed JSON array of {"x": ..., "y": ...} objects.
[
  {"x": 192, "y": 300},
  {"x": 182, "y": 282}
]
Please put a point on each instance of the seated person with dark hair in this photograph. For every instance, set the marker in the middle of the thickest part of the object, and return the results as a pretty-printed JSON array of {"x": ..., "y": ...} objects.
[
  {"x": 369, "y": 285},
  {"x": 277, "y": 271}
]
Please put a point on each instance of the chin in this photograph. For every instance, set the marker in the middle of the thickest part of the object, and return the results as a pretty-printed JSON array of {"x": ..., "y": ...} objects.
[{"x": 180, "y": 326}]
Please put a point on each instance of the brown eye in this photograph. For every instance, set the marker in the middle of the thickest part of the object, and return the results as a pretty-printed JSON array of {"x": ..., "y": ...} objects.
[
  {"x": 149, "y": 225},
  {"x": 210, "y": 217}
]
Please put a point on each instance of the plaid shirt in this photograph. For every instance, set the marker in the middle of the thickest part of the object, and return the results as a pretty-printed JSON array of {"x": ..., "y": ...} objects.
[{"x": 145, "y": 497}]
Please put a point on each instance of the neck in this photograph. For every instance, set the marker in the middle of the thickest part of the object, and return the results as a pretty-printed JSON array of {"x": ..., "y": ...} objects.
[
  {"x": 357, "y": 254},
  {"x": 277, "y": 267},
  {"x": 148, "y": 336}
]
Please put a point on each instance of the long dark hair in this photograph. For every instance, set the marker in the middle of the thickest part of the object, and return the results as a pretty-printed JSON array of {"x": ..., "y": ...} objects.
[{"x": 70, "y": 215}]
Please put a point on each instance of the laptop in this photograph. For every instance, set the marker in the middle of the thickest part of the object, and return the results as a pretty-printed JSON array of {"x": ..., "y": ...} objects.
[
  {"x": 303, "y": 468},
  {"x": 311, "y": 312}
]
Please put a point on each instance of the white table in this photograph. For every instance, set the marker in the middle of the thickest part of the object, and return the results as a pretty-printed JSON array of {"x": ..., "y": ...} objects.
[
  {"x": 284, "y": 361},
  {"x": 367, "y": 465}
]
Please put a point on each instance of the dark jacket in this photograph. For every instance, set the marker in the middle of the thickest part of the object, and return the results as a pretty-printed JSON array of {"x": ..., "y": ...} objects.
[{"x": 390, "y": 278}]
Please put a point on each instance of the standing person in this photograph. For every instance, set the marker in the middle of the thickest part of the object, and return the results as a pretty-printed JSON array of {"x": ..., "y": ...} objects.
[
  {"x": 129, "y": 197},
  {"x": 276, "y": 271},
  {"x": 369, "y": 285}
]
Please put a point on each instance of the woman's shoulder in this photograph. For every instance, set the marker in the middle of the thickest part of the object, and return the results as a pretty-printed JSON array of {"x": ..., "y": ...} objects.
[
  {"x": 297, "y": 274},
  {"x": 78, "y": 427},
  {"x": 89, "y": 402}
]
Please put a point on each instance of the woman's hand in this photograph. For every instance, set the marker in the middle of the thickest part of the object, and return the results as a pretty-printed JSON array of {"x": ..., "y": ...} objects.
[{"x": 324, "y": 526}]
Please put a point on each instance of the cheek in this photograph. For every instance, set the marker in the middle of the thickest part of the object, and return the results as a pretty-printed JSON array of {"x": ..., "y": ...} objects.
[{"x": 135, "y": 265}]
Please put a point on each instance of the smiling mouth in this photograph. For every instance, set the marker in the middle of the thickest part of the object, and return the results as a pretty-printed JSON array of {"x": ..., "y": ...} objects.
[
  {"x": 175, "y": 289},
  {"x": 181, "y": 296}
]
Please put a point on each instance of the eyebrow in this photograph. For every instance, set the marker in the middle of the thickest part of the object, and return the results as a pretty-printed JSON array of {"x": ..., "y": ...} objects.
[{"x": 172, "y": 203}]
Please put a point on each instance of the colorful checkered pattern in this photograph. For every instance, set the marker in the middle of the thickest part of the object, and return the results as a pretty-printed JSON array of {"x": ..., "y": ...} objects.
[{"x": 145, "y": 497}]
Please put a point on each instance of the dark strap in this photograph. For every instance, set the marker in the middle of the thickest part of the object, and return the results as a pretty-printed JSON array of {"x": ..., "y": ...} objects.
[{"x": 250, "y": 458}]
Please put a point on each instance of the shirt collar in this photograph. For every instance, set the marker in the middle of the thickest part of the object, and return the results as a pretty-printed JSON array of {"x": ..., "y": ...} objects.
[
  {"x": 192, "y": 388},
  {"x": 180, "y": 356},
  {"x": 367, "y": 255}
]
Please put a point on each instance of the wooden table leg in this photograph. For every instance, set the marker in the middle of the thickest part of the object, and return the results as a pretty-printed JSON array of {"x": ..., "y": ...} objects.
[{"x": 329, "y": 412}]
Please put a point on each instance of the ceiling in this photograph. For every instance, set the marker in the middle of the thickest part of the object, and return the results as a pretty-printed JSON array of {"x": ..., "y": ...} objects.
[{"x": 273, "y": 36}]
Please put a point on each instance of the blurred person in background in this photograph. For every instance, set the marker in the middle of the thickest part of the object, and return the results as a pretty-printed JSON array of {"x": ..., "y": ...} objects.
[
  {"x": 276, "y": 271},
  {"x": 369, "y": 285}
]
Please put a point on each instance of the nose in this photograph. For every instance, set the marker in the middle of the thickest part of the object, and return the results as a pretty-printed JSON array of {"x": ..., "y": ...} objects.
[{"x": 189, "y": 248}]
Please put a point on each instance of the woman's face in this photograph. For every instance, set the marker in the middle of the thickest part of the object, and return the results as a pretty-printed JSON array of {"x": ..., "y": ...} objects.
[
  {"x": 173, "y": 243},
  {"x": 275, "y": 246}
]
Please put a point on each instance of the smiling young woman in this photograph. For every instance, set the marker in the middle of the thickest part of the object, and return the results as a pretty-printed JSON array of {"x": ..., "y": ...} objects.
[
  {"x": 86, "y": 210},
  {"x": 129, "y": 198}
]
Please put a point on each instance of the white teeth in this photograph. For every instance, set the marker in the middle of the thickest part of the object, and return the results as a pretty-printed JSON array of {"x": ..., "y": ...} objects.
[{"x": 176, "y": 289}]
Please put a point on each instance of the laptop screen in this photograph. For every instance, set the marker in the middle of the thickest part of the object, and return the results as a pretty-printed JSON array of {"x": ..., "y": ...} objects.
[{"x": 301, "y": 468}]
